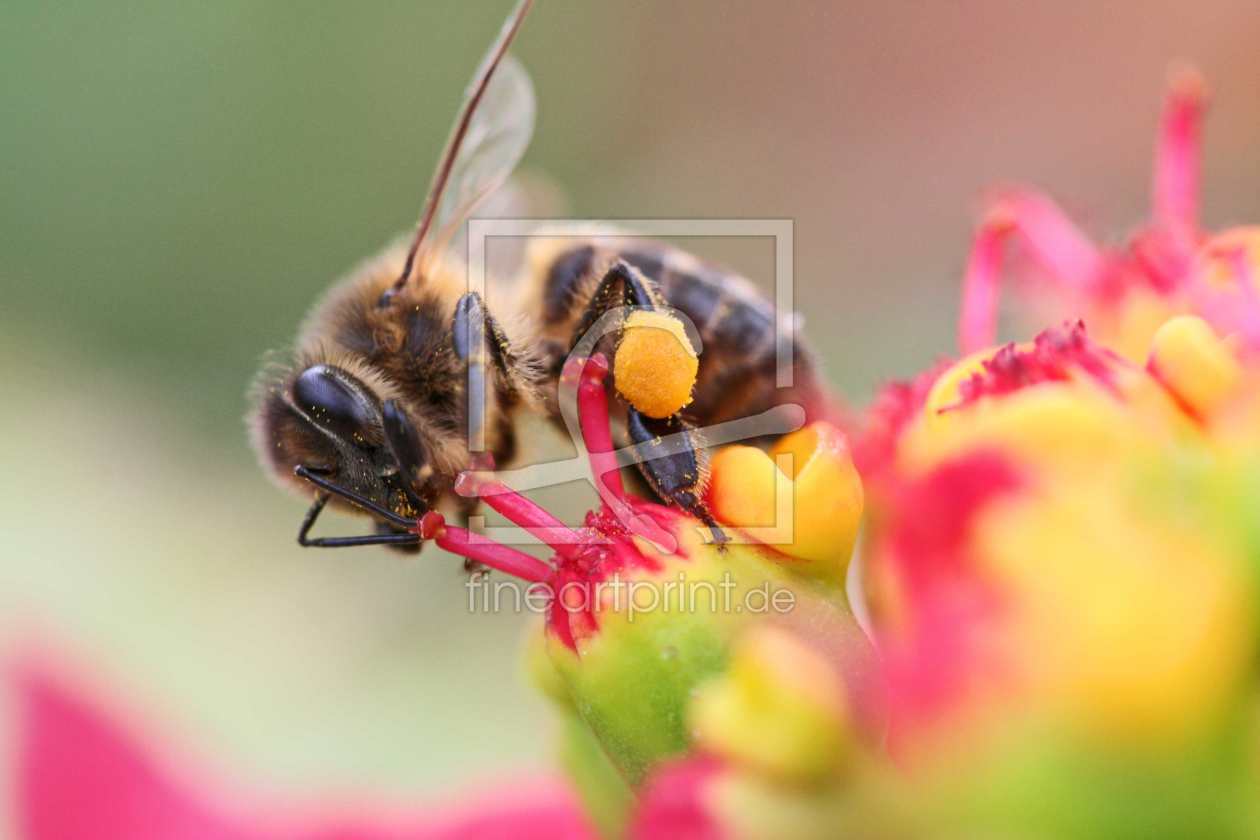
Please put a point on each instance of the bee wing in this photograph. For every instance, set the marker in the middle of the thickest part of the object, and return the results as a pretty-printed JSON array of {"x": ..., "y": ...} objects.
[
  {"x": 490, "y": 135},
  {"x": 496, "y": 139},
  {"x": 526, "y": 195}
]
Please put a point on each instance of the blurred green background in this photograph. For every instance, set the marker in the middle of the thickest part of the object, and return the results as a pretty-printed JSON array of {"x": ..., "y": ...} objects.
[{"x": 181, "y": 180}]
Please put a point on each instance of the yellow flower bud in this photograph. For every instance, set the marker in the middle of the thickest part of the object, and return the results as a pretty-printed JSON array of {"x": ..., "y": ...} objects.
[
  {"x": 1140, "y": 620},
  {"x": 1194, "y": 363},
  {"x": 779, "y": 709},
  {"x": 541, "y": 671},
  {"x": 1059, "y": 401},
  {"x": 804, "y": 498}
]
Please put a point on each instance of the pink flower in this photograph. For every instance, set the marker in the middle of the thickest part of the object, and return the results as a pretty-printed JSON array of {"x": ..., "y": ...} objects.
[
  {"x": 80, "y": 775},
  {"x": 603, "y": 548},
  {"x": 935, "y": 649},
  {"x": 674, "y": 803},
  {"x": 1170, "y": 266},
  {"x": 1056, "y": 355}
]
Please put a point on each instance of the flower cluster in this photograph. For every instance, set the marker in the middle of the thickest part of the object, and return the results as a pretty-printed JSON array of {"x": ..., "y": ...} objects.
[{"x": 1060, "y": 571}]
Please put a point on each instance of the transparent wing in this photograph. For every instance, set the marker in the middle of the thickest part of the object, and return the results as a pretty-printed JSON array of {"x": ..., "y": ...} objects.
[
  {"x": 498, "y": 134},
  {"x": 525, "y": 195},
  {"x": 490, "y": 135}
]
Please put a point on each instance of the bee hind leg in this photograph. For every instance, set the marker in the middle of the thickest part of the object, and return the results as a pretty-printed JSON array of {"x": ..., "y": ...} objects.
[
  {"x": 670, "y": 457},
  {"x": 670, "y": 460},
  {"x": 622, "y": 288}
]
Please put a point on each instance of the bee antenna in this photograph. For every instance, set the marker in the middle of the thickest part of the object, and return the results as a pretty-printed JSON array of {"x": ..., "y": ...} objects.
[{"x": 481, "y": 80}]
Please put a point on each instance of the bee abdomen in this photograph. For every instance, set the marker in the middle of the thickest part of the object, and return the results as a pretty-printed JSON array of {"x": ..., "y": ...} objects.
[
  {"x": 729, "y": 313},
  {"x": 565, "y": 278},
  {"x": 734, "y": 321},
  {"x": 736, "y": 325}
]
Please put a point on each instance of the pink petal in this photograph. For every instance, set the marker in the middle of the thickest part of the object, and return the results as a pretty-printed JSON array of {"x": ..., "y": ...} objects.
[
  {"x": 542, "y": 811},
  {"x": 1072, "y": 261},
  {"x": 675, "y": 804},
  {"x": 79, "y": 775},
  {"x": 977, "y": 326},
  {"x": 1175, "y": 188}
]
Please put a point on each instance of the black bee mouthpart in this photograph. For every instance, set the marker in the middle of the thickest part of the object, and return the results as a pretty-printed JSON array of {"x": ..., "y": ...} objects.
[{"x": 359, "y": 501}]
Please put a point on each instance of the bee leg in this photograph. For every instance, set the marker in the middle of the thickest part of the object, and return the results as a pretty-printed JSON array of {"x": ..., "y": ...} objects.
[
  {"x": 622, "y": 285},
  {"x": 474, "y": 331},
  {"x": 308, "y": 521},
  {"x": 468, "y": 506},
  {"x": 400, "y": 535},
  {"x": 401, "y": 540},
  {"x": 672, "y": 464},
  {"x": 404, "y": 541},
  {"x": 404, "y": 546}
]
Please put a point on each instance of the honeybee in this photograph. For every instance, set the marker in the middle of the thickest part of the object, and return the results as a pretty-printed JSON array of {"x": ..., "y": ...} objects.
[{"x": 400, "y": 368}]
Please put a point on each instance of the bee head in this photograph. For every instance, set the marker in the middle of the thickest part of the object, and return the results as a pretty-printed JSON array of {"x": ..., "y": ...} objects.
[{"x": 337, "y": 426}]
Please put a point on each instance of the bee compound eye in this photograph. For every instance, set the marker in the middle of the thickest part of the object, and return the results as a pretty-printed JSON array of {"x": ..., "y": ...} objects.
[{"x": 330, "y": 399}]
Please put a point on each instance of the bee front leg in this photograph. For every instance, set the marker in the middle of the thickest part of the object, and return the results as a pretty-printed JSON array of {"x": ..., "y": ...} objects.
[
  {"x": 401, "y": 534},
  {"x": 394, "y": 539},
  {"x": 385, "y": 534},
  {"x": 475, "y": 334}
]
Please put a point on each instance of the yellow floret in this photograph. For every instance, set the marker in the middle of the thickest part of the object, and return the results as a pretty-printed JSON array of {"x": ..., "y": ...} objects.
[
  {"x": 804, "y": 498},
  {"x": 656, "y": 365},
  {"x": 780, "y": 708},
  {"x": 1195, "y": 363}
]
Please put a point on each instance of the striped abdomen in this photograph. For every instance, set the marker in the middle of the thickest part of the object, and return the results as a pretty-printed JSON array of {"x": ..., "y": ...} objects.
[{"x": 735, "y": 323}]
